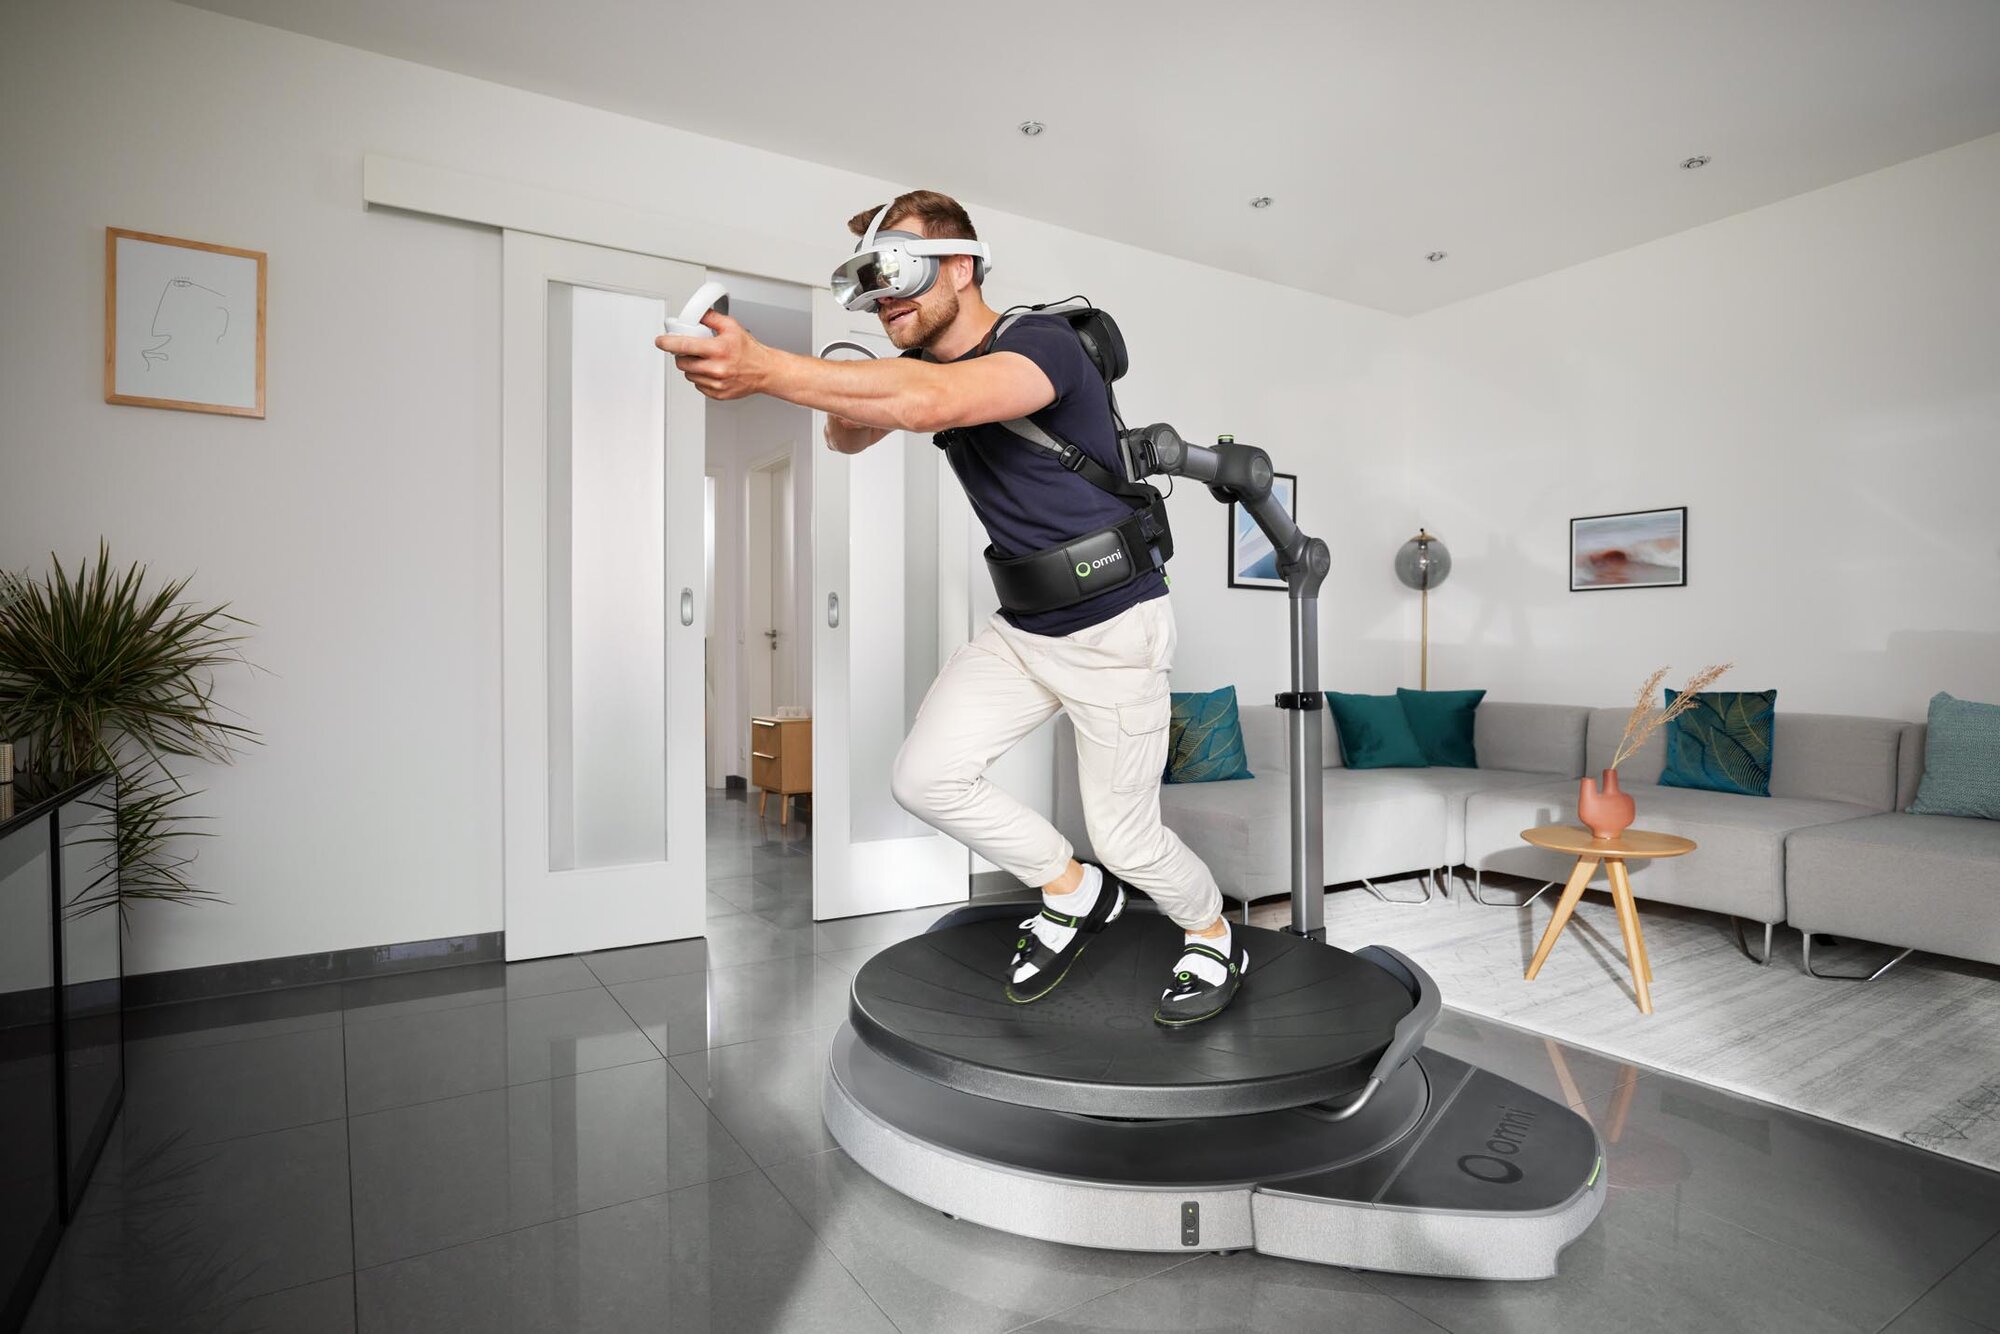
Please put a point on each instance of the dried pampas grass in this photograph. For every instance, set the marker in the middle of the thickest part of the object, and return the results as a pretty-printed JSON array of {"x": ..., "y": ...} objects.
[{"x": 1648, "y": 717}]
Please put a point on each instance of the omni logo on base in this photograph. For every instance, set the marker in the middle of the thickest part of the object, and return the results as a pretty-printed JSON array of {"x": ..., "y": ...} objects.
[
  {"x": 1495, "y": 1166},
  {"x": 1084, "y": 567}
]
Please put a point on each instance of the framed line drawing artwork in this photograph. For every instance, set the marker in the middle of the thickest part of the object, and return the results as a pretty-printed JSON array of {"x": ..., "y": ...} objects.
[
  {"x": 183, "y": 324},
  {"x": 1642, "y": 549},
  {"x": 1252, "y": 562}
]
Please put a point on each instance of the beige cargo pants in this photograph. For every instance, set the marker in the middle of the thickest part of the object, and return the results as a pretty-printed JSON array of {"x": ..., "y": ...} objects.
[{"x": 1112, "y": 680}]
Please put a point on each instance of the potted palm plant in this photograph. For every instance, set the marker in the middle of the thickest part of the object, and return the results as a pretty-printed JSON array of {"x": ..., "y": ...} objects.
[{"x": 100, "y": 674}]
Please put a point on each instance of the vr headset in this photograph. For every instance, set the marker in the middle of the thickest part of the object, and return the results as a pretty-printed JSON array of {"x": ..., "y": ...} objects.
[{"x": 899, "y": 264}]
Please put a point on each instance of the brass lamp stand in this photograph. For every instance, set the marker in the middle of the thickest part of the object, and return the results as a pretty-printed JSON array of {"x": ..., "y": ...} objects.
[{"x": 1423, "y": 563}]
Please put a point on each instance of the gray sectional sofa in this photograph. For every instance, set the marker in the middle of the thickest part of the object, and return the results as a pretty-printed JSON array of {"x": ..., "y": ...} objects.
[
  {"x": 1825, "y": 768},
  {"x": 1829, "y": 851},
  {"x": 1928, "y": 882},
  {"x": 1379, "y": 822}
]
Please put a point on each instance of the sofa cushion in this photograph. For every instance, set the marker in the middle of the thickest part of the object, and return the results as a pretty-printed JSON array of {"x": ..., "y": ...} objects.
[
  {"x": 1456, "y": 786},
  {"x": 1928, "y": 881},
  {"x": 1442, "y": 721},
  {"x": 1739, "y": 866},
  {"x": 1373, "y": 732},
  {"x": 1243, "y": 830},
  {"x": 1265, "y": 739},
  {"x": 1818, "y": 756},
  {"x": 1961, "y": 760},
  {"x": 1205, "y": 742},
  {"x": 1530, "y": 738},
  {"x": 1721, "y": 742}
]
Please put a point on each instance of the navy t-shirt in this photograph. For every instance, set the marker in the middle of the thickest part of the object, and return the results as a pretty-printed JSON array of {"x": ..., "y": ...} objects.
[{"x": 1026, "y": 498}]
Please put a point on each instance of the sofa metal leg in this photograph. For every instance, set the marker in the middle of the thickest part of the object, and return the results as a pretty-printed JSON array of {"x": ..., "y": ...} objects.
[
  {"x": 1424, "y": 879},
  {"x": 1744, "y": 945},
  {"x": 1479, "y": 884},
  {"x": 1851, "y": 977}
]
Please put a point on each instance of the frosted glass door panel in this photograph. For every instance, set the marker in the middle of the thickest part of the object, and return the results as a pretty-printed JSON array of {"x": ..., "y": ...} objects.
[
  {"x": 893, "y": 578},
  {"x": 607, "y": 601},
  {"x": 603, "y": 602},
  {"x": 890, "y": 579}
]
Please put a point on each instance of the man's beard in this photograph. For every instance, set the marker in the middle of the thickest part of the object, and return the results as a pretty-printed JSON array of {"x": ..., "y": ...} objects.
[{"x": 929, "y": 321}]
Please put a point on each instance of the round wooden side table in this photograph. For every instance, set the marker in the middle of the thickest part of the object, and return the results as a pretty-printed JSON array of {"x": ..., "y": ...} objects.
[{"x": 1589, "y": 852}]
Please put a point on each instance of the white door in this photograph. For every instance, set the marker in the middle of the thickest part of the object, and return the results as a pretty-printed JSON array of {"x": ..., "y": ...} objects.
[
  {"x": 602, "y": 623},
  {"x": 890, "y": 603},
  {"x": 759, "y": 694},
  {"x": 784, "y": 597}
]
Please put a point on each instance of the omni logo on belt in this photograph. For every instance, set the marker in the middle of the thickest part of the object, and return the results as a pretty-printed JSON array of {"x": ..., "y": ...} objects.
[
  {"x": 1084, "y": 567},
  {"x": 1494, "y": 1166}
]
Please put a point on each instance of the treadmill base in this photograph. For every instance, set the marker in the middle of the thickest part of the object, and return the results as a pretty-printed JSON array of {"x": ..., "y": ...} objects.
[{"x": 1456, "y": 1173}]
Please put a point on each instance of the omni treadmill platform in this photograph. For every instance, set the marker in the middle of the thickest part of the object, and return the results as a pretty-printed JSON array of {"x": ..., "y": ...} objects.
[
  {"x": 1049, "y": 1122},
  {"x": 1306, "y": 1027}
]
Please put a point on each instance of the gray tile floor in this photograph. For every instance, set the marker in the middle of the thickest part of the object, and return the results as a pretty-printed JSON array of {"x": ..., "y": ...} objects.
[{"x": 631, "y": 1141}]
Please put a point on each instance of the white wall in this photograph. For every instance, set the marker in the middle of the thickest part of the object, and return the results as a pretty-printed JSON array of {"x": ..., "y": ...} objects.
[
  {"x": 359, "y": 524},
  {"x": 1818, "y": 381}
]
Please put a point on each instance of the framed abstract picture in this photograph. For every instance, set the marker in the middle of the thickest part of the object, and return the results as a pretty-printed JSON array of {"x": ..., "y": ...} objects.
[
  {"x": 1643, "y": 549},
  {"x": 1252, "y": 562},
  {"x": 183, "y": 324}
]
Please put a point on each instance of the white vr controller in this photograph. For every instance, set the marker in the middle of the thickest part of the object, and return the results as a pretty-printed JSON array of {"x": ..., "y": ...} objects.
[{"x": 688, "y": 324}]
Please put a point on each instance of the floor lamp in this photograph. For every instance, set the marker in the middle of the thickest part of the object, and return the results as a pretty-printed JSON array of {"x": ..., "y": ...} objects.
[{"x": 1423, "y": 563}]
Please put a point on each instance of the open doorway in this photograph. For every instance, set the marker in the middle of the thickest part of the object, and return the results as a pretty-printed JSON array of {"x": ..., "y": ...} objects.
[{"x": 758, "y": 647}]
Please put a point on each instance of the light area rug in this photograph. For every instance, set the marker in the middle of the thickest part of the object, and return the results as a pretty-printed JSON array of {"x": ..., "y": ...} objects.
[{"x": 1913, "y": 1055}]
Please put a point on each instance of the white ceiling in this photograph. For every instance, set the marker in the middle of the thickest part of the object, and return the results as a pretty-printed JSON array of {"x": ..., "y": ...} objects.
[{"x": 1520, "y": 136}]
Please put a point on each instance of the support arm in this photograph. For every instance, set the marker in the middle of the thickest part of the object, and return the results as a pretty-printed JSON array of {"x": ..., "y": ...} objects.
[{"x": 1242, "y": 473}]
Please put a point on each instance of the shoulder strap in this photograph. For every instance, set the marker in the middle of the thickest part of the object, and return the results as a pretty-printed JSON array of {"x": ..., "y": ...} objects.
[{"x": 1071, "y": 457}]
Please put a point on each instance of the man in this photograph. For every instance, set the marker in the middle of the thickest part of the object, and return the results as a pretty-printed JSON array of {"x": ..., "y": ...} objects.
[{"x": 1104, "y": 659}]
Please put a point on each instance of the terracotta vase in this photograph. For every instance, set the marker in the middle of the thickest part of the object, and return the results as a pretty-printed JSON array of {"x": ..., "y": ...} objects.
[{"x": 1608, "y": 813}]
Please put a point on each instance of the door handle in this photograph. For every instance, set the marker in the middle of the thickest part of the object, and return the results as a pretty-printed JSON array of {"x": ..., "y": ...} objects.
[
  {"x": 833, "y": 610},
  {"x": 687, "y": 606}
]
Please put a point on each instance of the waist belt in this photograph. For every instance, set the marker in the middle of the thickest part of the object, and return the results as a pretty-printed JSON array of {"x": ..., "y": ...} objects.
[{"x": 1093, "y": 564}]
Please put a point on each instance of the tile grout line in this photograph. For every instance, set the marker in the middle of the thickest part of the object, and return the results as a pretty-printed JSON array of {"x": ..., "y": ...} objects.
[
  {"x": 515, "y": 1084},
  {"x": 353, "y": 1236},
  {"x": 546, "y": 1222},
  {"x": 1367, "y": 1278},
  {"x": 820, "y": 1241},
  {"x": 1109, "y": 1292},
  {"x": 1914, "y": 1301}
]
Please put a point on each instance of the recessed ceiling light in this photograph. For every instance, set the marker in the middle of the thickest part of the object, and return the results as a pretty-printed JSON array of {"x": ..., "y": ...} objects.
[
  {"x": 1261, "y": 201},
  {"x": 1695, "y": 163},
  {"x": 1031, "y": 128},
  {"x": 1435, "y": 256}
]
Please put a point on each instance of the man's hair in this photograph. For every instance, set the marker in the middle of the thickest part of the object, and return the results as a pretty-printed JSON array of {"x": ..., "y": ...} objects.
[{"x": 941, "y": 215}]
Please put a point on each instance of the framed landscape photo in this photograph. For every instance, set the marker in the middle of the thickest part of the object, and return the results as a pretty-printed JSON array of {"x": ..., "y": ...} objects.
[
  {"x": 1642, "y": 549},
  {"x": 183, "y": 324},
  {"x": 1252, "y": 562}
]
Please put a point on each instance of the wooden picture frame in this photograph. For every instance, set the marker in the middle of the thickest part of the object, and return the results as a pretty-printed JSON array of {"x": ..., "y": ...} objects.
[
  {"x": 183, "y": 324},
  {"x": 1252, "y": 563},
  {"x": 1636, "y": 549}
]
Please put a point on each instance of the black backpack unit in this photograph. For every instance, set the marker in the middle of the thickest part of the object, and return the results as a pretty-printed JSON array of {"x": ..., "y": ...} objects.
[{"x": 1095, "y": 563}]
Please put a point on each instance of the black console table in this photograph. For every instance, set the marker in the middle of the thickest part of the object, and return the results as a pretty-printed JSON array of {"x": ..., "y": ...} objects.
[{"x": 62, "y": 1066}]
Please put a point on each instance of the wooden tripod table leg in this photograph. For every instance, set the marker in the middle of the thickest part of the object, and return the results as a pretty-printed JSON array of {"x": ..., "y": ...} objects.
[
  {"x": 1586, "y": 867},
  {"x": 1628, "y": 926}
]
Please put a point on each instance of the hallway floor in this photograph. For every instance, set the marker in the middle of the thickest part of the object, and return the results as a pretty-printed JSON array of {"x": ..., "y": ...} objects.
[{"x": 631, "y": 1141}]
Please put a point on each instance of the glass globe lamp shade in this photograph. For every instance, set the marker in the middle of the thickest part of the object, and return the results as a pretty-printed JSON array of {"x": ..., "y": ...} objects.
[{"x": 1423, "y": 562}]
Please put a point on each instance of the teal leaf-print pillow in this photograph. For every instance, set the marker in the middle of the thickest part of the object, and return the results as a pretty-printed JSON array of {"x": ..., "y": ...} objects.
[
  {"x": 1205, "y": 740},
  {"x": 1723, "y": 742}
]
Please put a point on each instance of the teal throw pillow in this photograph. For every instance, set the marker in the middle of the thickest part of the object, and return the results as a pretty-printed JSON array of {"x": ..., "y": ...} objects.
[
  {"x": 1961, "y": 760},
  {"x": 1205, "y": 738},
  {"x": 1441, "y": 720},
  {"x": 1723, "y": 742},
  {"x": 1374, "y": 734}
]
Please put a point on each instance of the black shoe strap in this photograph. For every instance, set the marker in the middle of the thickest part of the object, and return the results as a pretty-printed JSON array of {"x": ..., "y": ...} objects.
[{"x": 1194, "y": 947}]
